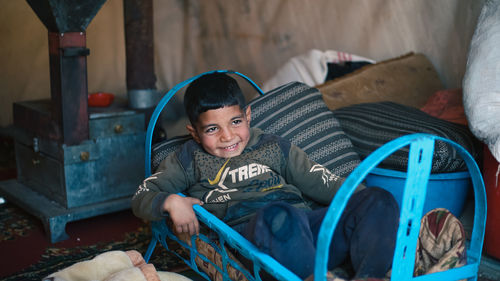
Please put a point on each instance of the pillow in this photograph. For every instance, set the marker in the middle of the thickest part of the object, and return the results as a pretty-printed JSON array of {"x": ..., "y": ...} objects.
[
  {"x": 297, "y": 112},
  {"x": 370, "y": 125},
  {"x": 447, "y": 105},
  {"x": 161, "y": 150},
  {"x": 407, "y": 80}
]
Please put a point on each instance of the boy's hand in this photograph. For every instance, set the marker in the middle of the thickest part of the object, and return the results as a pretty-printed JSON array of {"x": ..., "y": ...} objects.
[{"x": 182, "y": 213}]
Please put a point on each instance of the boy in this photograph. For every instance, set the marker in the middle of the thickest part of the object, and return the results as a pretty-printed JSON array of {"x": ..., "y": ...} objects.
[{"x": 256, "y": 183}]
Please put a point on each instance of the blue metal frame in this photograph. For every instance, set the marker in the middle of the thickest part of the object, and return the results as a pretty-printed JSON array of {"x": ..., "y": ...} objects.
[
  {"x": 225, "y": 233},
  {"x": 419, "y": 167}
]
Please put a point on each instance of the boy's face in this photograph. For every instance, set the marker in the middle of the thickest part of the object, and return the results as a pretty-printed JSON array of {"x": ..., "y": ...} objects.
[{"x": 223, "y": 132}]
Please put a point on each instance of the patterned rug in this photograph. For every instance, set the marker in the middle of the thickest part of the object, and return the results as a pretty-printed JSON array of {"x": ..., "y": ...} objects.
[
  {"x": 18, "y": 228},
  {"x": 22, "y": 234}
]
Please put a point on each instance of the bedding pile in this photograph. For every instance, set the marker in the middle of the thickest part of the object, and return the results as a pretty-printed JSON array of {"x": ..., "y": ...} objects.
[{"x": 481, "y": 84}]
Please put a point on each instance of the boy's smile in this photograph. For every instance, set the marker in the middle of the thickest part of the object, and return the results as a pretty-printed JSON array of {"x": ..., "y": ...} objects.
[{"x": 223, "y": 132}]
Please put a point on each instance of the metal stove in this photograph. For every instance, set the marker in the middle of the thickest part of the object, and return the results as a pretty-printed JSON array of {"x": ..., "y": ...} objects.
[{"x": 73, "y": 161}]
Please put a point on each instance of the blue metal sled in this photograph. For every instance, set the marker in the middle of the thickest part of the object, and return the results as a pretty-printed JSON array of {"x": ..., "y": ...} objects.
[{"x": 419, "y": 167}]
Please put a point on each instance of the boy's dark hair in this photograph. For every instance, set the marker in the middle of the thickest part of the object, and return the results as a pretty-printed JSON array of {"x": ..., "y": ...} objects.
[{"x": 212, "y": 91}]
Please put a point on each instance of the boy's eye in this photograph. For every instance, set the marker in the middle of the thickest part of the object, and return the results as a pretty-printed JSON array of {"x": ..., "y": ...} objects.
[
  {"x": 237, "y": 121},
  {"x": 210, "y": 130}
]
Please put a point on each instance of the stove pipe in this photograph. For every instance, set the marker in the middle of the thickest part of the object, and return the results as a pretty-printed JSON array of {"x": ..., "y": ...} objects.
[{"x": 66, "y": 22}]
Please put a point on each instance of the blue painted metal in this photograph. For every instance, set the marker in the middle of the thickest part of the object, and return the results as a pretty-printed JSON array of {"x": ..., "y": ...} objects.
[
  {"x": 227, "y": 236},
  {"x": 59, "y": 183},
  {"x": 421, "y": 148},
  {"x": 54, "y": 216},
  {"x": 420, "y": 158},
  {"x": 80, "y": 175}
]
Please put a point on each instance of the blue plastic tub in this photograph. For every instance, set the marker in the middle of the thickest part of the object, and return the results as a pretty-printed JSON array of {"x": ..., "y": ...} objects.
[{"x": 446, "y": 190}]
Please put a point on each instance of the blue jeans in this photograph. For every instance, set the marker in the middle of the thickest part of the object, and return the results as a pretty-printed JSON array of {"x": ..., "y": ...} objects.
[{"x": 365, "y": 234}]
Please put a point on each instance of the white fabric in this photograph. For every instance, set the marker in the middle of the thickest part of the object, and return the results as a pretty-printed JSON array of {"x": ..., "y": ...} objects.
[
  {"x": 99, "y": 267},
  {"x": 109, "y": 266},
  {"x": 172, "y": 276},
  {"x": 128, "y": 274},
  {"x": 309, "y": 68},
  {"x": 481, "y": 84}
]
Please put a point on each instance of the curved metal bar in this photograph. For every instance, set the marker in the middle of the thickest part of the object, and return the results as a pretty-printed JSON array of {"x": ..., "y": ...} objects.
[
  {"x": 166, "y": 98},
  {"x": 421, "y": 145}
]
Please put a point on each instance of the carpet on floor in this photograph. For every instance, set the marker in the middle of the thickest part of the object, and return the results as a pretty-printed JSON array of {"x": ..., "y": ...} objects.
[{"x": 27, "y": 253}]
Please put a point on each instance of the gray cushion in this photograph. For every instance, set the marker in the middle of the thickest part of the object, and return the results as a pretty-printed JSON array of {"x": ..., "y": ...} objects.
[
  {"x": 298, "y": 113},
  {"x": 370, "y": 125},
  {"x": 162, "y": 149}
]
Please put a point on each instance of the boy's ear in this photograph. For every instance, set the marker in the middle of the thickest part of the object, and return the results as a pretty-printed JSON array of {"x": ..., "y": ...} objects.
[
  {"x": 193, "y": 133},
  {"x": 248, "y": 114}
]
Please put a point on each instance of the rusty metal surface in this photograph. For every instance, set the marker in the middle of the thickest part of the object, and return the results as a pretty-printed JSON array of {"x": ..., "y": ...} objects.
[
  {"x": 68, "y": 81},
  {"x": 138, "y": 17},
  {"x": 66, "y": 22},
  {"x": 66, "y": 16},
  {"x": 36, "y": 117},
  {"x": 108, "y": 166}
]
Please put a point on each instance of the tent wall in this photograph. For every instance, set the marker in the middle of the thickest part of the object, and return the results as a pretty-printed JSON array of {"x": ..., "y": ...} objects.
[{"x": 253, "y": 37}]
